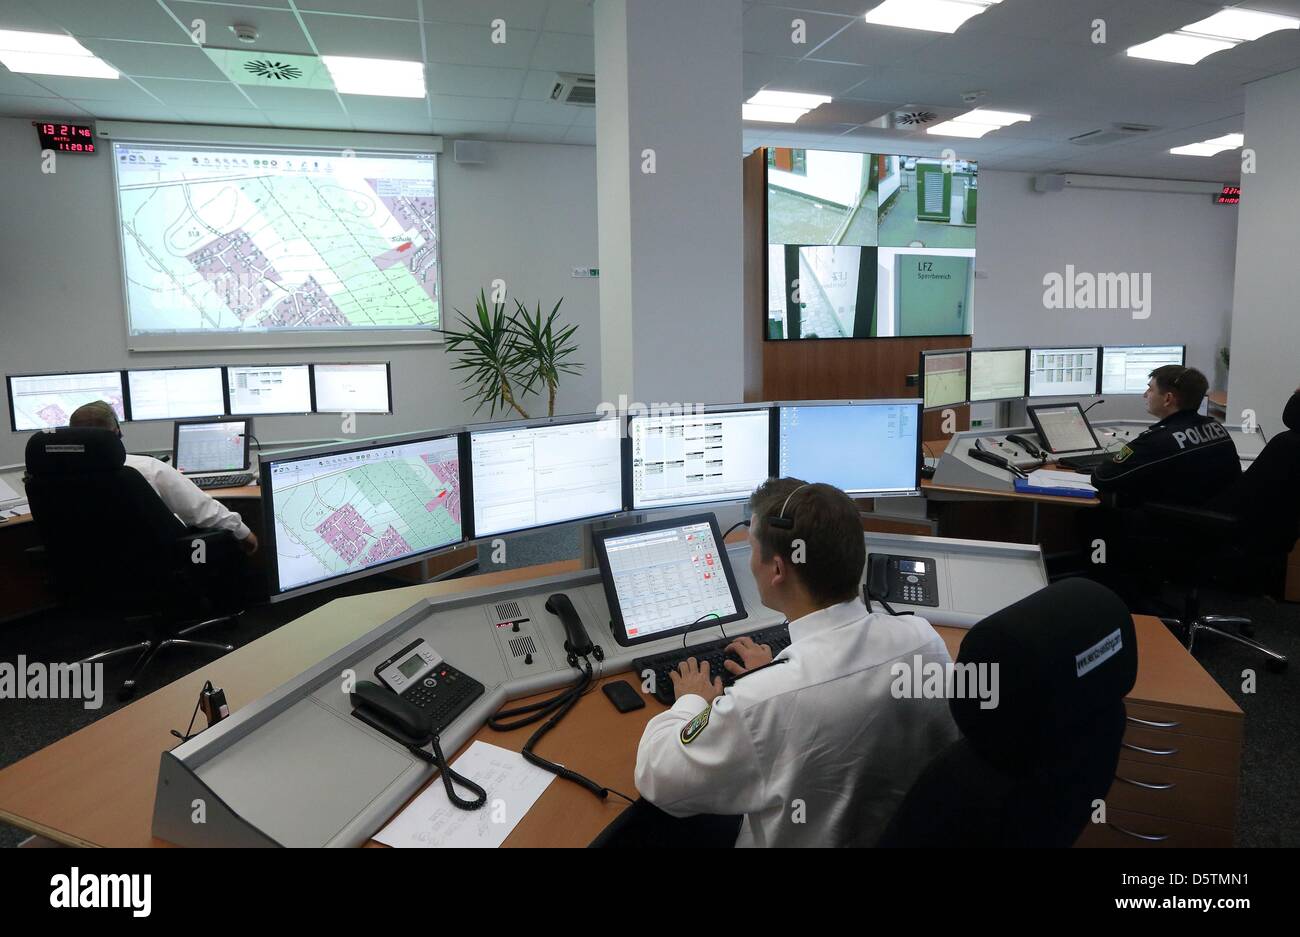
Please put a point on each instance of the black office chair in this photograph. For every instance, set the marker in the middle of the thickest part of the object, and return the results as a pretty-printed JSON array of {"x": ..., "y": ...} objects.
[
  {"x": 1240, "y": 539},
  {"x": 1027, "y": 772},
  {"x": 113, "y": 547}
]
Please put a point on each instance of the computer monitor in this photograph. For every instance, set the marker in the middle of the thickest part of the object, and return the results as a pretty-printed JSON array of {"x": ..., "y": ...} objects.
[
  {"x": 338, "y": 513},
  {"x": 997, "y": 374},
  {"x": 866, "y": 448},
  {"x": 1063, "y": 372},
  {"x": 534, "y": 474},
  {"x": 352, "y": 388},
  {"x": 943, "y": 378},
  {"x": 1063, "y": 428},
  {"x": 270, "y": 388},
  {"x": 1125, "y": 369},
  {"x": 694, "y": 458},
  {"x": 46, "y": 401},
  {"x": 203, "y": 446},
  {"x": 176, "y": 393},
  {"x": 666, "y": 577}
]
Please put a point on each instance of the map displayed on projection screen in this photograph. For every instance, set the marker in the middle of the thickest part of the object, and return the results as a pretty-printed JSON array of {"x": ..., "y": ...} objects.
[{"x": 234, "y": 240}]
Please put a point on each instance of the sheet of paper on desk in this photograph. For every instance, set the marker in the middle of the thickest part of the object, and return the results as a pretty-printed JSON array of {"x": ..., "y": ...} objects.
[
  {"x": 7, "y": 492},
  {"x": 512, "y": 785},
  {"x": 1048, "y": 478},
  {"x": 16, "y": 510}
]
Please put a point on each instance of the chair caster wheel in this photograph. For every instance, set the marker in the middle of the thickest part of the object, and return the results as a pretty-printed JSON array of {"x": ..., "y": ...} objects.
[{"x": 126, "y": 693}]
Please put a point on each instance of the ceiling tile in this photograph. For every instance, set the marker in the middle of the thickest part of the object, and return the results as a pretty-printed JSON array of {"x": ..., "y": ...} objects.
[
  {"x": 518, "y": 14},
  {"x": 538, "y": 85},
  {"x": 483, "y": 110},
  {"x": 112, "y": 110},
  {"x": 14, "y": 105},
  {"x": 565, "y": 52},
  {"x": 308, "y": 120},
  {"x": 583, "y": 135},
  {"x": 234, "y": 116},
  {"x": 180, "y": 94},
  {"x": 155, "y": 60},
  {"x": 569, "y": 16},
  {"x": 770, "y": 30},
  {"x": 468, "y": 80},
  {"x": 302, "y": 99},
  {"x": 364, "y": 38},
  {"x": 21, "y": 85},
  {"x": 546, "y": 112},
  {"x": 394, "y": 114},
  {"x": 278, "y": 30},
  {"x": 140, "y": 20},
  {"x": 470, "y": 128},
  {"x": 121, "y": 90},
  {"x": 458, "y": 44},
  {"x": 397, "y": 9}
]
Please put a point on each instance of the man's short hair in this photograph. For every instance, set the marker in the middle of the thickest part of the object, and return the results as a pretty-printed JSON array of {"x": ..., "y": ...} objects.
[
  {"x": 1188, "y": 385},
  {"x": 828, "y": 523},
  {"x": 94, "y": 415}
]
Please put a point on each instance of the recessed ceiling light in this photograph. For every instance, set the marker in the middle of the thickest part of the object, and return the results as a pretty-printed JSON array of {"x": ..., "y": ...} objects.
[
  {"x": 975, "y": 124},
  {"x": 1179, "y": 48},
  {"x": 1230, "y": 141},
  {"x": 50, "y": 54},
  {"x": 1224, "y": 30},
  {"x": 383, "y": 77},
  {"x": 1242, "y": 25},
  {"x": 781, "y": 107},
  {"x": 937, "y": 16}
]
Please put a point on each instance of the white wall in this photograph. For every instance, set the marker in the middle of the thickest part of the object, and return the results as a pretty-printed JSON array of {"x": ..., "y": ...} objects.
[
  {"x": 1185, "y": 242},
  {"x": 527, "y": 216},
  {"x": 1266, "y": 328}
]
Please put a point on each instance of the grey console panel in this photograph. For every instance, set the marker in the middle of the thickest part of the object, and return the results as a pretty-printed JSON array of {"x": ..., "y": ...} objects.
[{"x": 294, "y": 768}]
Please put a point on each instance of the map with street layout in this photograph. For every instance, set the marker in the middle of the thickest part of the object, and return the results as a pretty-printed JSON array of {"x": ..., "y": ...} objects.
[
  {"x": 343, "y": 512},
  {"x": 244, "y": 240}
]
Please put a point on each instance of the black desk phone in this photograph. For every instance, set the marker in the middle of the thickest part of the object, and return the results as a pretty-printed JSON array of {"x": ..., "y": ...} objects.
[
  {"x": 913, "y": 580},
  {"x": 421, "y": 695}
]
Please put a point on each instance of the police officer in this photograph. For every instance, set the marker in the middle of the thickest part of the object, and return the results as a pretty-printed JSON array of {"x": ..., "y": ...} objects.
[
  {"x": 815, "y": 747},
  {"x": 1185, "y": 458}
]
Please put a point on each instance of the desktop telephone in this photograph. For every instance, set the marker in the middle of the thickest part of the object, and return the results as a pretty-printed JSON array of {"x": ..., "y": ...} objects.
[
  {"x": 421, "y": 695},
  {"x": 1027, "y": 444},
  {"x": 909, "y": 579}
]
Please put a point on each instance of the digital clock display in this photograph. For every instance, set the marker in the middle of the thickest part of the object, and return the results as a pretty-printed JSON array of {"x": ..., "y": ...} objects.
[
  {"x": 66, "y": 138},
  {"x": 1230, "y": 195}
]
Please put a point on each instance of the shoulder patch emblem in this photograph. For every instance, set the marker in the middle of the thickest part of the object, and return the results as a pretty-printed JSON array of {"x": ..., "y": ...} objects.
[
  {"x": 692, "y": 729},
  {"x": 1123, "y": 454}
]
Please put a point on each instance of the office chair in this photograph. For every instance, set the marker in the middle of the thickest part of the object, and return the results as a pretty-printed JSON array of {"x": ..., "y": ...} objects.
[
  {"x": 112, "y": 545},
  {"x": 1026, "y": 772},
  {"x": 1248, "y": 530}
]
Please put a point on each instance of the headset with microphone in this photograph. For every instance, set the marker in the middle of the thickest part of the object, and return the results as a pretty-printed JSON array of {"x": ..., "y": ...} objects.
[{"x": 781, "y": 521}]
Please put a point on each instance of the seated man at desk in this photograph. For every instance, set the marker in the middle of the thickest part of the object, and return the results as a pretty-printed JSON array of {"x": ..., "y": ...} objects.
[
  {"x": 194, "y": 507},
  {"x": 1185, "y": 458},
  {"x": 812, "y": 747}
]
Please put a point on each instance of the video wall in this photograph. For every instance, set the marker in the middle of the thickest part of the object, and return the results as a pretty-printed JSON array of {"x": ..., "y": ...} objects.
[{"x": 864, "y": 245}]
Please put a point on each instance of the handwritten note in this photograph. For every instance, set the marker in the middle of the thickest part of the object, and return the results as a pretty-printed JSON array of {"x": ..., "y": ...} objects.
[{"x": 512, "y": 785}]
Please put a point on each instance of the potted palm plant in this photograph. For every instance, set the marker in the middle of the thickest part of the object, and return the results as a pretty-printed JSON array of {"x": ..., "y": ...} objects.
[{"x": 511, "y": 356}]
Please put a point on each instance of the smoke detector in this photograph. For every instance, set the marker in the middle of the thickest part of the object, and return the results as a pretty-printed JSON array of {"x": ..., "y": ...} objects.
[{"x": 245, "y": 34}]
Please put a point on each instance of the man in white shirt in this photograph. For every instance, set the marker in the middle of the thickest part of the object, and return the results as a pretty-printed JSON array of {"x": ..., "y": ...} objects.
[
  {"x": 193, "y": 506},
  {"x": 812, "y": 747}
]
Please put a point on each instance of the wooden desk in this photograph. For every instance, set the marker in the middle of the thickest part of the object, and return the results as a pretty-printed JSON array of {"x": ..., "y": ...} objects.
[{"x": 96, "y": 787}]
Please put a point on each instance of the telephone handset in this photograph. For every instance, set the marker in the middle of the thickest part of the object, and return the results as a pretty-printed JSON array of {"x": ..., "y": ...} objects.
[
  {"x": 422, "y": 694},
  {"x": 1027, "y": 444},
  {"x": 909, "y": 579},
  {"x": 577, "y": 643}
]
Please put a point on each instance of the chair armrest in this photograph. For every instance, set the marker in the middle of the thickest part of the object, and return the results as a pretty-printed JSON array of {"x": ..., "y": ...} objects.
[{"x": 1192, "y": 519}]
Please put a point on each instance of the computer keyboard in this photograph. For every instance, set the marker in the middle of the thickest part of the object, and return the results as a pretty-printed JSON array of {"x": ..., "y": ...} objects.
[
  {"x": 778, "y": 639},
  {"x": 1084, "y": 463},
  {"x": 238, "y": 480}
]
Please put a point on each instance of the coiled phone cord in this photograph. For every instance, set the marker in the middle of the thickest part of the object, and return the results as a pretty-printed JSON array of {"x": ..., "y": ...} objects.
[
  {"x": 450, "y": 775},
  {"x": 560, "y": 704}
]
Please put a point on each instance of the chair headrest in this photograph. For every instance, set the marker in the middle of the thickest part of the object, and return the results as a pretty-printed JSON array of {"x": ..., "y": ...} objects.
[
  {"x": 72, "y": 451},
  {"x": 1291, "y": 414},
  {"x": 1066, "y": 655}
]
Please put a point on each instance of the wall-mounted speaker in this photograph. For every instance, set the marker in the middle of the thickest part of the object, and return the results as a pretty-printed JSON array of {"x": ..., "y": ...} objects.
[{"x": 470, "y": 152}]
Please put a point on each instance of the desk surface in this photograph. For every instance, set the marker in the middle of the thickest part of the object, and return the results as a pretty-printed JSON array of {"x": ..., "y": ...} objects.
[{"x": 96, "y": 787}]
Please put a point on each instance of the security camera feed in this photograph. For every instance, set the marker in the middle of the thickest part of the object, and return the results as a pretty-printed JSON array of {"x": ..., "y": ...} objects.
[
  {"x": 943, "y": 378},
  {"x": 928, "y": 202},
  {"x": 821, "y": 292},
  {"x": 821, "y": 197},
  {"x": 913, "y": 220}
]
